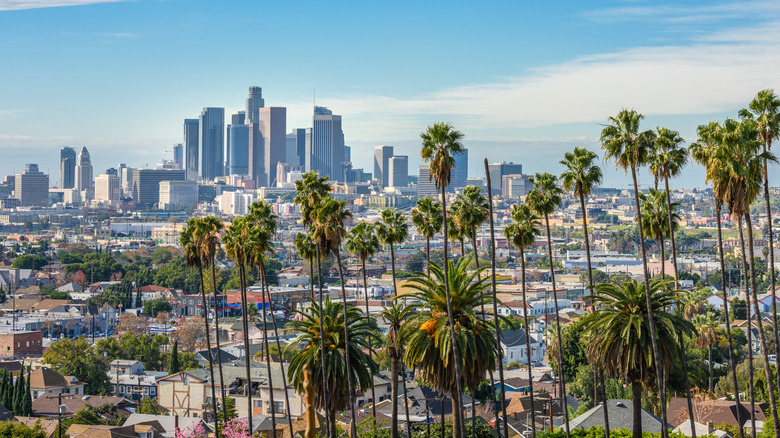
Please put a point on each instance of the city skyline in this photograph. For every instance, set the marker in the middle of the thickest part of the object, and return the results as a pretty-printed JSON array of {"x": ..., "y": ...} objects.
[{"x": 525, "y": 85}]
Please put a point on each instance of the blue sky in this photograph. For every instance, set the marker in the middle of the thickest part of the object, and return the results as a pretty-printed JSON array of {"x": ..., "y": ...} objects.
[{"x": 525, "y": 81}]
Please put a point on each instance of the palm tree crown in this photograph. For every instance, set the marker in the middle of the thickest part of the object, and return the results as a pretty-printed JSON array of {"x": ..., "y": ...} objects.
[
  {"x": 392, "y": 229},
  {"x": 524, "y": 228},
  {"x": 311, "y": 189},
  {"x": 441, "y": 142},
  {"x": 582, "y": 174},
  {"x": 427, "y": 217},
  {"x": 623, "y": 142}
]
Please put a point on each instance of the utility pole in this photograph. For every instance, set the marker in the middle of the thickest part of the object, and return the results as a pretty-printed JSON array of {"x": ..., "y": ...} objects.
[{"x": 59, "y": 415}]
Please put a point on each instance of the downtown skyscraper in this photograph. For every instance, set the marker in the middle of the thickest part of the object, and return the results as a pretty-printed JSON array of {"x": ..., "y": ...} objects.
[
  {"x": 267, "y": 145},
  {"x": 382, "y": 155},
  {"x": 67, "y": 167},
  {"x": 237, "y": 145},
  {"x": 254, "y": 102},
  {"x": 325, "y": 153},
  {"x": 211, "y": 143},
  {"x": 84, "y": 179},
  {"x": 191, "y": 145}
]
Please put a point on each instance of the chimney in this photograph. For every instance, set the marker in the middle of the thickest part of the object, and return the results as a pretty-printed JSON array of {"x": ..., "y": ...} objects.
[{"x": 710, "y": 427}]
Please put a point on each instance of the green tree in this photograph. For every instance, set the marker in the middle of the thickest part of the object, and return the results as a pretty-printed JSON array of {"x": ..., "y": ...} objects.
[
  {"x": 707, "y": 327},
  {"x": 363, "y": 242},
  {"x": 427, "y": 218},
  {"x": 430, "y": 346},
  {"x": 765, "y": 110},
  {"x": 544, "y": 200},
  {"x": 655, "y": 220},
  {"x": 395, "y": 315},
  {"x": 200, "y": 240},
  {"x": 329, "y": 232},
  {"x": 361, "y": 367},
  {"x": 29, "y": 261},
  {"x": 520, "y": 233},
  {"x": 472, "y": 213},
  {"x": 155, "y": 306},
  {"x": 237, "y": 247},
  {"x": 619, "y": 330},
  {"x": 629, "y": 148},
  {"x": 14, "y": 429},
  {"x": 73, "y": 357},
  {"x": 174, "y": 366},
  {"x": 440, "y": 143},
  {"x": 149, "y": 406}
]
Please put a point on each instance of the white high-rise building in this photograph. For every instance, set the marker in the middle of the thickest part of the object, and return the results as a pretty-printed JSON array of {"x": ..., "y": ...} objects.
[
  {"x": 398, "y": 171},
  {"x": 235, "y": 203},
  {"x": 84, "y": 180},
  {"x": 107, "y": 189}
]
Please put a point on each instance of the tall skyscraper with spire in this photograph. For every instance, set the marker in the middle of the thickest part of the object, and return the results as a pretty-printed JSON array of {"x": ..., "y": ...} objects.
[
  {"x": 84, "y": 178},
  {"x": 212, "y": 143},
  {"x": 253, "y": 104},
  {"x": 67, "y": 167}
]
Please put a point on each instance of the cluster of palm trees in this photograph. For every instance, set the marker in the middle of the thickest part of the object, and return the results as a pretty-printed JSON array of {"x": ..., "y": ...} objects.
[{"x": 447, "y": 335}]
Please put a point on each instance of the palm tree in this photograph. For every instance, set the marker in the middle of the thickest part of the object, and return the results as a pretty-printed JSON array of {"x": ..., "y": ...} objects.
[
  {"x": 454, "y": 231},
  {"x": 667, "y": 159},
  {"x": 237, "y": 246},
  {"x": 621, "y": 328},
  {"x": 765, "y": 110},
  {"x": 208, "y": 235},
  {"x": 329, "y": 232},
  {"x": 311, "y": 190},
  {"x": 189, "y": 240},
  {"x": 309, "y": 346},
  {"x": 581, "y": 176},
  {"x": 471, "y": 214},
  {"x": 655, "y": 220},
  {"x": 392, "y": 229},
  {"x": 305, "y": 245},
  {"x": 262, "y": 215},
  {"x": 430, "y": 345},
  {"x": 395, "y": 316},
  {"x": 427, "y": 218},
  {"x": 522, "y": 232},
  {"x": 623, "y": 142},
  {"x": 544, "y": 199},
  {"x": 704, "y": 152},
  {"x": 440, "y": 143},
  {"x": 707, "y": 326},
  {"x": 363, "y": 242},
  {"x": 745, "y": 159}
]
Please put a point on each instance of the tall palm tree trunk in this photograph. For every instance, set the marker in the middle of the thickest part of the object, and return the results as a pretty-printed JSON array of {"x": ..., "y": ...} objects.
[
  {"x": 457, "y": 413},
  {"x": 679, "y": 310},
  {"x": 428, "y": 256},
  {"x": 663, "y": 257},
  {"x": 329, "y": 420},
  {"x": 403, "y": 380},
  {"x": 749, "y": 334},
  {"x": 772, "y": 280},
  {"x": 311, "y": 278},
  {"x": 761, "y": 334},
  {"x": 278, "y": 347},
  {"x": 732, "y": 360},
  {"x": 499, "y": 350},
  {"x": 216, "y": 330},
  {"x": 370, "y": 350},
  {"x": 245, "y": 325},
  {"x": 636, "y": 390},
  {"x": 527, "y": 352},
  {"x": 394, "y": 396},
  {"x": 208, "y": 348},
  {"x": 561, "y": 377},
  {"x": 267, "y": 357},
  {"x": 709, "y": 359},
  {"x": 350, "y": 384},
  {"x": 650, "y": 317},
  {"x": 596, "y": 372},
  {"x": 482, "y": 305}
]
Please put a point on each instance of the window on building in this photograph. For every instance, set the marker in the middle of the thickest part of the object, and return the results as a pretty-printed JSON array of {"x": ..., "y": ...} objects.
[
  {"x": 257, "y": 403},
  {"x": 278, "y": 407}
]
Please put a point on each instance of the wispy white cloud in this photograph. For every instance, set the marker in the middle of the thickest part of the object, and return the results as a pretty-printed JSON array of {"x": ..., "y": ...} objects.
[
  {"x": 15, "y": 5},
  {"x": 716, "y": 74},
  {"x": 684, "y": 13}
]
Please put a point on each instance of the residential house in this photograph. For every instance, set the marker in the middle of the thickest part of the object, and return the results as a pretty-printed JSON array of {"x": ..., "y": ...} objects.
[
  {"x": 514, "y": 347},
  {"x": 621, "y": 416},
  {"x": 45, "y": 380},
  {"x": 715, "y": 411},
  {"x": 188, "y": 393},
  {"x": 103, "y": 431},
  {"x": 21, "y": 344},
  {"x": 700, "y": 429},
  {"x": 167, "y": 423},
  {"x": 49, "y": 425},
  {"x": 47, "y": 405}
]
